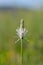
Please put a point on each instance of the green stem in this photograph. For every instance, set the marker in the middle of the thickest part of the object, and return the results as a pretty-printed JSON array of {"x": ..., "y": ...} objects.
[{"x": 21, "y": 52}]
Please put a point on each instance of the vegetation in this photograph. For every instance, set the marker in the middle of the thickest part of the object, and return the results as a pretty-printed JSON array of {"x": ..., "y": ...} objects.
[{"x": 10, "y": 53}]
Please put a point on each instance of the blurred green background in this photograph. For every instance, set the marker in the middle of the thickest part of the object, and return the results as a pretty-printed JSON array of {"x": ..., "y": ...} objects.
[{"x": 10, "y": 53}]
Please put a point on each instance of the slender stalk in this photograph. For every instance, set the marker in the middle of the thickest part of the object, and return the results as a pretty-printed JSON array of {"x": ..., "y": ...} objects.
[{"x": 21, "y": 52}]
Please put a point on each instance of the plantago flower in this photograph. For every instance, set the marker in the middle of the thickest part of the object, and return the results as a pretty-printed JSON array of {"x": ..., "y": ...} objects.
[{"x": 21, "y": 32}]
